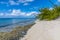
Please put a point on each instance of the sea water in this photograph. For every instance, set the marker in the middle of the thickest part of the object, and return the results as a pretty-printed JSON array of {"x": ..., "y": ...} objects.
[{"x": 7, "y": 24}]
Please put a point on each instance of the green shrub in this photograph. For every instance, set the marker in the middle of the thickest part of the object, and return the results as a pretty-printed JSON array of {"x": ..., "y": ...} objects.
[{"x": 47, "y": 14}]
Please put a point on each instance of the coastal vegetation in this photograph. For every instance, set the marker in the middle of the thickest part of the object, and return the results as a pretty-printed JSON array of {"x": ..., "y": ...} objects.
[{"x": 49, "y": 14}]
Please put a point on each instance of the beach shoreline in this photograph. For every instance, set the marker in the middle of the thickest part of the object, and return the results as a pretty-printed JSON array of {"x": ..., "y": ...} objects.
[{"x": 44, "y": 30}]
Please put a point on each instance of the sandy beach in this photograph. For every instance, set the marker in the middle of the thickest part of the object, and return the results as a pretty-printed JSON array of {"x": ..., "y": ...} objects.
[{"x": 44, "y": 30}]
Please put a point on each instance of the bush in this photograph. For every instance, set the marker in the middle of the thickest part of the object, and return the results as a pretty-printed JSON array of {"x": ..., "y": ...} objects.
[{"x": 47, "y": 14}]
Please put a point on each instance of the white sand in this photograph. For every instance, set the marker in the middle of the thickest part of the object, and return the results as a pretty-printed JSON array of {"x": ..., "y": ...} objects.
[{"x": 44, "y": 30}]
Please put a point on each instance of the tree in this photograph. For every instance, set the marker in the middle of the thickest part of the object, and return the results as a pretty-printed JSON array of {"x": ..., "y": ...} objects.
[{"x": 46, "y": 14}]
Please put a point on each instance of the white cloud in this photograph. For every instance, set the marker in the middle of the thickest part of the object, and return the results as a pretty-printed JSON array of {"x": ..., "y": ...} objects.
[
  {"x": 1, "y": 14},
  {"x": 58, "y": 0},
  {"x": 12, "y": 2},
  {"x": 19, "y": 13},
  {"x": 24, "y": 1},
  {"x": 50, "y": 8},
  {"x": 29, "y": 0},
  {"x": 33, "y": 13},
  {"x": 15, "y": 12}
]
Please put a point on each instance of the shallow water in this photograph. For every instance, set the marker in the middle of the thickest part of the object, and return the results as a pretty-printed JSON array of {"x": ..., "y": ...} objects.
[{"x": 7, "y": 24}]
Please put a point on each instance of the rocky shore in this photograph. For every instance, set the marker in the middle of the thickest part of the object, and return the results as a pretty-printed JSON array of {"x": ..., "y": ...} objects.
[{"x": 16, "y": 34}]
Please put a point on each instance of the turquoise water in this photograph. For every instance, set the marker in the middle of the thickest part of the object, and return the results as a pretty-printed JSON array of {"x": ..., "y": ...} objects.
[
  {"x": 7, "y": 24},
  {"x": 13, "y": 21}
]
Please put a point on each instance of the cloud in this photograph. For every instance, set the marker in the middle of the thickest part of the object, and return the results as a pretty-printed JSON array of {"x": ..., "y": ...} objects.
[
  {"x": 18, "y": 2},
  {"x": 50, "y": 8},
  {"x": 1, "y": 14},
  {"x": 24, "y": 1},
  {"x": 15, "y": 12},
  {"x": 11, "y": 2},
  {"x": 58, "y": 0},
  {"x": 33, "y": 13},
  {"x": 29, "y": 0},
  {"x": 18, "y": 12}
]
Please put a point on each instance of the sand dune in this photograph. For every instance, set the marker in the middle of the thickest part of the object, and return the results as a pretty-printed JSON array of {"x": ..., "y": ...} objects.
[{"x": 44, "y": 30}]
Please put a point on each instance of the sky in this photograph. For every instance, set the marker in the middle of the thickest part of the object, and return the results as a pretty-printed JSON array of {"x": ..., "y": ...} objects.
[{"x": 23, "y": 8}]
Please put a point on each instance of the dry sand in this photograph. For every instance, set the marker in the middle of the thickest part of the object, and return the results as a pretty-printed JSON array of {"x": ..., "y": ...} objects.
[{"x": 44, "y": 30}]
